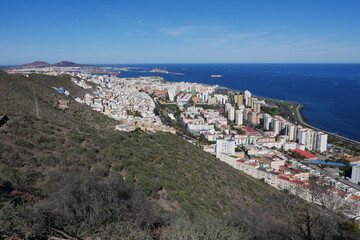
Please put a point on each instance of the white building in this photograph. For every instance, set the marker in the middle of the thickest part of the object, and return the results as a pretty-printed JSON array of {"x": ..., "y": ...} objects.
[
  {"x": 227, "y": 107},
  {"x": 355, "y": 175},
  {"x": 197, "y": 126},
  {"x": 306, "y": 137},
  {"x": 231, "y": 113},
  {"x": 276, "y": 125},
  {"x": 289, "y": 146},
  {"x": 247, "y": 97},
  {"x": 267, "y": 119},
  {"x": 321, "y": 142},
  {"x": 239, "y": 117},
  {"x": 172, "y": 93},
  {"x": 221, "y": 99},
  {"x": 241, "y": 140},
  {"x": 225, "y": 146},
  {"x": 312, "y": 140},
  {"x": 291, "y": 132}
]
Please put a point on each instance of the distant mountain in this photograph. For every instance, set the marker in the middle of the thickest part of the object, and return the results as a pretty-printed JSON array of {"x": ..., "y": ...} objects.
[
  {"x": 36, "y": 64},
  {"x": 41, "y": 64},
  {"x": 68, "y": 64}
]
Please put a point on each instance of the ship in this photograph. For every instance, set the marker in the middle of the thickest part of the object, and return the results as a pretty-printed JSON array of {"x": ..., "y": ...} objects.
[{"x": 216, "y": 76}]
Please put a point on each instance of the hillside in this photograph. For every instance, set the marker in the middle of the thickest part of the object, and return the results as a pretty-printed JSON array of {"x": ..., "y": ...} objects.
[{"x": 76, "y": 151}]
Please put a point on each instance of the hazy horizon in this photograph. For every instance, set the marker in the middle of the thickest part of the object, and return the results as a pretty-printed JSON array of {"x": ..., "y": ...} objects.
[{"x": 170, "y": 63}]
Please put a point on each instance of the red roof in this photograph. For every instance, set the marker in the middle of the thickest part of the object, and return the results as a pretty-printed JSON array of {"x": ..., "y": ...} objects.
[
  {"x": 248, "y": 129},
  {"x": 242, "y": 161},
  {"x": 298, "y": 182},
  {"x": 355, "y": 197},
  {"x": 342, "y": 194},
  {"x": 284, "y": 178},
  {"x": 304, "y": 153}
]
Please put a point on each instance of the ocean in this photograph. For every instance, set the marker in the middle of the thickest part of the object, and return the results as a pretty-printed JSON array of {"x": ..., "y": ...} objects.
[{"x": 330, "y": 92}]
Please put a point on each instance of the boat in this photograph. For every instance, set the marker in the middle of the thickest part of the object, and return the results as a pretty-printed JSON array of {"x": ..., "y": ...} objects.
[{"x": 216, "y": 76}]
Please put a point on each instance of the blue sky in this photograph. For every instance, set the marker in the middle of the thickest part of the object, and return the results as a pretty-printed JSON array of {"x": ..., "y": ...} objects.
[{"x": 184, "y": 31}]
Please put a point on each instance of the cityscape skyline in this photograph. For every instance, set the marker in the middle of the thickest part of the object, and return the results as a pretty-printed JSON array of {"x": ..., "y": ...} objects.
[{"x": 187, "y": 32}]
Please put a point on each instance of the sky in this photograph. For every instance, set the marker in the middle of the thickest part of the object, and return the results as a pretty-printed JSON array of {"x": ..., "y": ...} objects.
[{"x": 172, "y": 31}]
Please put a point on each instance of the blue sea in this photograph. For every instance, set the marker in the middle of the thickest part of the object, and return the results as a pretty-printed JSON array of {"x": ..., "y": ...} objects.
[{"x": 330, "y": 92}]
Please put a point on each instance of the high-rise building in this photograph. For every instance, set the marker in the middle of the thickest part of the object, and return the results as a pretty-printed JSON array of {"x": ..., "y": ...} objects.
[
  {"x": 231, "y": 113},
  {"x": 267, "y": 121},
  {"x": 239, "y": 116},
  {"x": 311, "y": 139},
  {"x": 253, "y": 118},
  {"x": 321, "y": 142},
  {"x": 171, "y": 94},
  {"x": 225, "y": 146},
  {"x": 276, "y": 125},
  {"x": 227, "y": 107},
  {"x": 247, "y": 96},
  {"x": 246, "y": 113},
  {"x": 306, "y": 137},
  {"x": 355, "y": 174},
  {"x": 291, "y": 132},
  {"x": 239, "y": 99},
  {"x": 256, "y": 106}
]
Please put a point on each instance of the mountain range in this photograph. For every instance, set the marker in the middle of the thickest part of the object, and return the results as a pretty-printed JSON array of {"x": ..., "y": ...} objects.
[{"x": 42, "y": 64}]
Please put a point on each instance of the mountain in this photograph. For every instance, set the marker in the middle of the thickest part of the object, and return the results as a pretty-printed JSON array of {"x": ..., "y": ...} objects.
[
  {"x": 68, "y": 174},
  {"x": 68, "y": 64},
  {"x": 41, "y": 64},
  {"x": 36, "y": 64}
]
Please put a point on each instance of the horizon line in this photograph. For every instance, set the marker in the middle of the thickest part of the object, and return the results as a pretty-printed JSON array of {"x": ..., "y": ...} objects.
[{"x": 142, "y": 63}]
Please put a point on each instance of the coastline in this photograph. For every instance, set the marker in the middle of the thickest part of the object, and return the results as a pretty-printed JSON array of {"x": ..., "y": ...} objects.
[
  {"x": 303, "y": 122},
  {"x": 296, "y": 110}
]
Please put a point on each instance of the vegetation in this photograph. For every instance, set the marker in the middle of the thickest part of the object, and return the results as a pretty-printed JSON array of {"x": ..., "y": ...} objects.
[
  {"x": 349, "y": 146},
  {"x": 68, "y": 174},
  {"x": 282, "y": 108}
]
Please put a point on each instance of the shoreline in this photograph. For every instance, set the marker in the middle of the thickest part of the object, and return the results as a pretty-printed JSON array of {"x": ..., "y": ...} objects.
[{"x": 302, "y": 120}]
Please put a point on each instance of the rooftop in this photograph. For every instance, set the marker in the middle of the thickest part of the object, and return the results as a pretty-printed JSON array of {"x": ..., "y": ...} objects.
[{"x": 304, "y": 153}]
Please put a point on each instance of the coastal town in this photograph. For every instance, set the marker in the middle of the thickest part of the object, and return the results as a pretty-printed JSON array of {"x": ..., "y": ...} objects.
[{"x": 238, "y": 128}]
